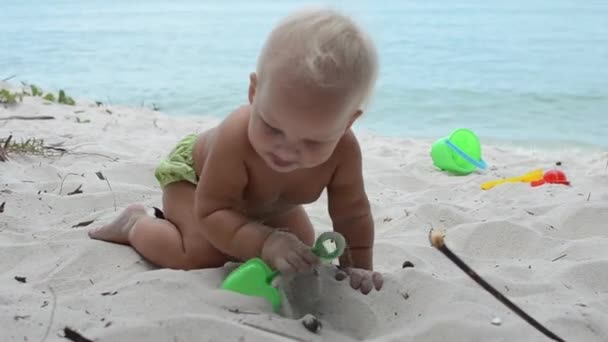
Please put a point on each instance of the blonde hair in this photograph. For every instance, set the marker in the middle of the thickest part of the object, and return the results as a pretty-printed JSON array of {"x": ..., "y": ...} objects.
[{"x": 324, "y": 48}]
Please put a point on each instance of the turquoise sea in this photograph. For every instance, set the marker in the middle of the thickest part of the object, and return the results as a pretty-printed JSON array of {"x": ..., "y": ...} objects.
[{"x": 526, "y": 72}]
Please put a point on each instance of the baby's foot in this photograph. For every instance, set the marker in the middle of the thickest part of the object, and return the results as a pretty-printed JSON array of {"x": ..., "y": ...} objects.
[{"x": 118, "y": 230}]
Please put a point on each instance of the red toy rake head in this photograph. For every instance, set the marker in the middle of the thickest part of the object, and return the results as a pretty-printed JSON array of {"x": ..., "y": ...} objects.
[{"x": 552, "y": 177}]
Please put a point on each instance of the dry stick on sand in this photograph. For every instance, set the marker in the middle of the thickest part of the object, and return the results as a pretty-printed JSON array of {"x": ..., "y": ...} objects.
[
  {"x": 436, "y": 239},
  {"x": 274, "y": 332},
  {"x": 90, "y": 154},
  {"x": 73, "y": 151},
  {"x": 102, "y": 177},
  {"x": 19, "y": 117},
  {"x": 63, "y": 180},
  {"x": 559, "y": 257}
]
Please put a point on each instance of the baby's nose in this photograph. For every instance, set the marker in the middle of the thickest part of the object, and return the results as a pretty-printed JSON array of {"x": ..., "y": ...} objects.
[{"x": 287, "y": 153}]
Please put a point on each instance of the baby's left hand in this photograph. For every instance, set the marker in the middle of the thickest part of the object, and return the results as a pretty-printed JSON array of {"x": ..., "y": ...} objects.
[{"x": 361, "y": 279}]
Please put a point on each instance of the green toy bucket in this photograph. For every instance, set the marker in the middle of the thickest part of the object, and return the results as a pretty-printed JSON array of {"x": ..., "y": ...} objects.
[{"x": 460, "y": 153}]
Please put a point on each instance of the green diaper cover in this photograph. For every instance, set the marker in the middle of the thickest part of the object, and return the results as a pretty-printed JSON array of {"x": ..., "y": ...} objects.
[{"x": 178, "y": 165}]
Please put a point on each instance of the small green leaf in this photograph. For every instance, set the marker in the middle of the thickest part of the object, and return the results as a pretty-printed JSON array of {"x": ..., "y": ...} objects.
[
  {"x": 61, "y": 98},
  {"x": 35, "y": 90}
]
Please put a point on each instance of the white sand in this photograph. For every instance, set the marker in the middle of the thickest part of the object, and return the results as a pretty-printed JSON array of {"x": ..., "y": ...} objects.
[{"x": 510, "y": 235}]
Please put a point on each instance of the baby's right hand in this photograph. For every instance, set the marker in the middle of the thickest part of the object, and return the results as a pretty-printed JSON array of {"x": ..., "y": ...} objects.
[{"x": 286, "y": 253}]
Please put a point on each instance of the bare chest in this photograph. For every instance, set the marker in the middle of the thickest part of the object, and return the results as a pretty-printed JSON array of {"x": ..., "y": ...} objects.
[{"x": 268, "y": 194}]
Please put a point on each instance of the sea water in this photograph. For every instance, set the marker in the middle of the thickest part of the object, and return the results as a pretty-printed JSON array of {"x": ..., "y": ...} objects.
[{"x": 516, "y": 71}]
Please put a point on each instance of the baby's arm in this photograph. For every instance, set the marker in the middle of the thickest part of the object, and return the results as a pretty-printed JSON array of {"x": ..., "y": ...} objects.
[
  {"x": 219, "y": 196},
  {"x": 349, "y": 207},
  {"x": 220, "y": 190}
]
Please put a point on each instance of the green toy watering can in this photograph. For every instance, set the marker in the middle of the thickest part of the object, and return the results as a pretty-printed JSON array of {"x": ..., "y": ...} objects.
[{"x": 254, "y": 277}]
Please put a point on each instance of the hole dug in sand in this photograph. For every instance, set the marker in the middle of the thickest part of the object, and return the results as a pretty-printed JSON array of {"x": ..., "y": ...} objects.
[{"x": 336, "y": 305}]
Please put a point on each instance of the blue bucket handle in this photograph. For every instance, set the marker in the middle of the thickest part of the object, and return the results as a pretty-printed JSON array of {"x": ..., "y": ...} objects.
[{"x": 479, "y": 163}]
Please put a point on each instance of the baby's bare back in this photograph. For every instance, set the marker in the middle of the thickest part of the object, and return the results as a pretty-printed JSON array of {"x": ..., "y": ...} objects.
[{"x": 267, "y": 193}]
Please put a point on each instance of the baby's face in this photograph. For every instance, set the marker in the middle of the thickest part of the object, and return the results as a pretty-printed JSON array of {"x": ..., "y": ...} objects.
[{"x": 293, "y": 127}]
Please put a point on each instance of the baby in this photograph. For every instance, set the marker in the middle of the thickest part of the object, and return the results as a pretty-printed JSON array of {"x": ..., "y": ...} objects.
[{"x": 236, "y": 191}]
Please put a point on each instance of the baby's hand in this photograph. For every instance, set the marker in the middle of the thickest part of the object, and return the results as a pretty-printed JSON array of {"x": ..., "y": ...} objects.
[
  {"x": 361, "y": 279},
  {"x": 286, "y": 253}
]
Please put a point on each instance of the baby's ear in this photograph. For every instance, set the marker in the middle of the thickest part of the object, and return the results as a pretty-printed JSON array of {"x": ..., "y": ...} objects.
[
  {"x": 253, "y": 82},
  {"x": 354, "y": 118}
]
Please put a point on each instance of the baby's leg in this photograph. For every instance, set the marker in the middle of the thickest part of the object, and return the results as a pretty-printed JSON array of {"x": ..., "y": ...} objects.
[
  {"x": 177, "y": 242},
  {"x": 297, "y": 222}
]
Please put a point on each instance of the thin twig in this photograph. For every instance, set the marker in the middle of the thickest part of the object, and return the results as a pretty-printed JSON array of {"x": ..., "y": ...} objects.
[
  {"x": 90, "y": 154},
  {"x": 48, "y": 328},
  {"x": 113, "y": 194},
  {"x": 275, "y": 332},
  {"x": 436, "y": 239},
  {"x": 58, "y": 149},
  {"x": 73, "y": 149},
  {"x": 9, "y": 78},
  {"x": 77, "y": 191},
  {"x": 241, "y": 312},
  {"x": 559, "y": 257},
  {"x": 7, "y": 141},
  {"x": 19, "y": 117},
  {"x": 102, "y": 177},
  {"x": 63, "y": 180}
]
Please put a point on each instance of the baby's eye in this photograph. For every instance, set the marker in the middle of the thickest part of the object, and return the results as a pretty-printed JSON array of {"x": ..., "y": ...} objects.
[
  {"x": 275, "y": 130},
  {"x": 271, "y": 129}
]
